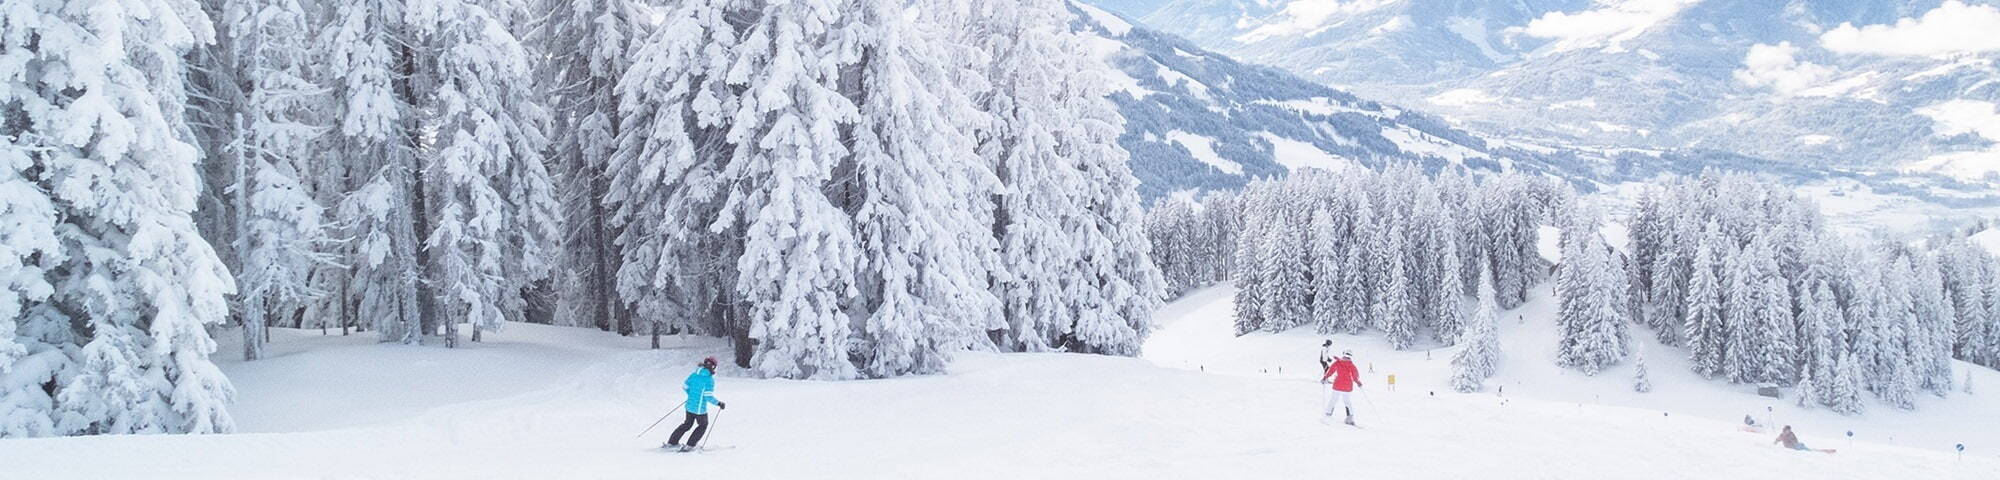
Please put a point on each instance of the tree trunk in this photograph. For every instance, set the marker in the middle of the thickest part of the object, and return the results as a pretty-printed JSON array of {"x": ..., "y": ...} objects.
[{"x": 253, "y": 332}]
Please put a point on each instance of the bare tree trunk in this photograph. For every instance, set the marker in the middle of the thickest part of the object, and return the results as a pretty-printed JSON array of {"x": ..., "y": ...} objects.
[{"x": 253, "y": 331}]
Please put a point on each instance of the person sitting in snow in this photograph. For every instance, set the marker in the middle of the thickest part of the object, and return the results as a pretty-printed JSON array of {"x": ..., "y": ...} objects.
[
  {"x": 700, "y": 387},
  {"x": 1791, "y": 441},
  {"x": 1345, "y": 378}
]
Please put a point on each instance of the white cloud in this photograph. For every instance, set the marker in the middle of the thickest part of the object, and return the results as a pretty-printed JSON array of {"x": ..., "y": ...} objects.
[
  {"x": 1952, "y": 28},
  {"x": 1609, "y": 21},
  {"x": 1778, "y": 67}
]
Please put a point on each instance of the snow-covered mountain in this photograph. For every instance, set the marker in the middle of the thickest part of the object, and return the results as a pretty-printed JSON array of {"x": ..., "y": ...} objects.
[
  {"x": 1201, "y": 120},
  {"x": 1197, "y": 119},
  {"x": 1882, "y": 83}
]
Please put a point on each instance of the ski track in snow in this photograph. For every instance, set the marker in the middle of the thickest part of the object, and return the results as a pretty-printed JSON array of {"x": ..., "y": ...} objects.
[{"x": 552, "y": 402}]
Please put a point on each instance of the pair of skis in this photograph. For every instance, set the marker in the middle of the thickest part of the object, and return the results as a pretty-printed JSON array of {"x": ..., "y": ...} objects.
[{"x": 671, "y": 448}]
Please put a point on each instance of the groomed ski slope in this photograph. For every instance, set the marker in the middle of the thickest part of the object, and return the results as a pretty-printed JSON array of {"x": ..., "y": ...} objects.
[
  {"x": 548, "y": 402},
  {"x": 1201, "y": 339}
]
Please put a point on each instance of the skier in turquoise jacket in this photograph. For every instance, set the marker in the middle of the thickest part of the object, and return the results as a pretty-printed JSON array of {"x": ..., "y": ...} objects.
[{"x": 700, "y": 387}]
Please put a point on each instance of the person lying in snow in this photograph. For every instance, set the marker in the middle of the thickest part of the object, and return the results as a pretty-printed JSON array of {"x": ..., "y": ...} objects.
[{"x": 1791, "y": 441}]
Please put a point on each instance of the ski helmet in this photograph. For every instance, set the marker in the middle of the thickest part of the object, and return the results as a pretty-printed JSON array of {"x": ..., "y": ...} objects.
[
  {"x": 1346, "y": 353},
  {"x": 708, "y": 363}
]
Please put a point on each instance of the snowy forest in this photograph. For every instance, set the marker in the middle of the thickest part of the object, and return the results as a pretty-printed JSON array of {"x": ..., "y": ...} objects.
[
  {"x": 1740, "y": 272},
  {"x": 844, "y": 188}
]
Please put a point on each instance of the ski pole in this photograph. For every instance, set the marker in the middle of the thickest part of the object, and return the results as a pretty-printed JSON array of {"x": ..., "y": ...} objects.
[
  {"x": 663, "y": 418},
  {"x": 1371, "y": 401},
  {"x": 711, "y": 427}
]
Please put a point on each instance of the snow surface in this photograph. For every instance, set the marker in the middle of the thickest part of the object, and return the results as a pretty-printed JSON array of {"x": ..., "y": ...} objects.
[
  {"x": 1989, "y": 239},
  {"x": 1295, "y": 155},
  {"x": 1111, "y": 23},
  {"x": 553, "y": 402},
  {"x": 1203, "y": 149}
]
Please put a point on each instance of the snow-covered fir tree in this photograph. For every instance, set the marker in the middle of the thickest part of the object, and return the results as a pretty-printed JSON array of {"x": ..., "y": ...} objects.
[
  {"x": 1705, "y": 328},
  {"x": 1478, "y": 358},
  {"x": 493, "y": 224},
  {"x": 589, "y": 47},
  {"x": 117, "y": 283},
  {"x": 1328, "y": 254},
  {"x": 1592, "y": 307},
  {"x": 1642, "y": 381},
  {"x": 1288, "y": 301},
  {"x": 1394, "y": 309},
  {"x": 380, "y": 207},
  {"x": 280, "y": 228}
]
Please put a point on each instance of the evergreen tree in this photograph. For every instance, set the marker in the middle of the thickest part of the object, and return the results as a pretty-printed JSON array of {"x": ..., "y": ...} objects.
[
  {"x": 589, "y": 44},
  {"x": 1448, "y": 310},
  {"x": 381, "y": 204},
  {"x": 1705, "y": 328},
  {"x": 1478, "y": 357},
  {"x": 1641, "y": 381},
  {"x": 1846, "y": 387},
  {"x": 1394, "y": 310},
  {"x": 113, "y": 285},
  {"x": 1592, "y": 306},
  {"x": 1327, "y": 270},
  {"x": 277, "y": 122},
  {"x": 1287, "y": 302}
]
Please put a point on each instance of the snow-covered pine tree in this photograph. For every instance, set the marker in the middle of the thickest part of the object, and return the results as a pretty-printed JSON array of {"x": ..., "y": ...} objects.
[
  {"x": 361, "y": 56},
  {"x": 1932, "y": 336},
  {"x": 1650, "y": 225},
  {"x": 95, "y": 113},
  {"x": 918, "y": 193},
  {"x": 1288, "y": 303},
  {"x": 1894, "y": 370},
  {"x": 1357, "y": 282},
  {"x": 1706, "y": 332},
  {"x": 1823, "y": 344},
  {"x": 589, "y": 47},
  {"x": 1247, "y": 264},
  {"x": 1846, "y": 387},
  {"x": 1965, "y": 269},
  {"x": 1642, "y": 382},
  {"x": 1327, "y": 269},
  {"x": 1672, "y": 272},
  {"x": 1448, "y": 319},
  {"x": 1394, "y": 309},
  {"x": 36, "y": 343},
  {"x": 798, "y": 262},
  {"x": 1478, "y": 358},
  {"x": 493, "y": 214},
  {"x": 1592, "y": 305},
  {"x": 1742, "y": 313},
  {"x": 277, "y": 123},
  {"x": 1773, "y": 317},
  {"x": 1049, "y": 118},
  {"x": 1806, "y": 394}
]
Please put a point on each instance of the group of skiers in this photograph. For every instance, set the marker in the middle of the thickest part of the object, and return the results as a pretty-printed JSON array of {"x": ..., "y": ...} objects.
[{"x": 1343, "y": 377}]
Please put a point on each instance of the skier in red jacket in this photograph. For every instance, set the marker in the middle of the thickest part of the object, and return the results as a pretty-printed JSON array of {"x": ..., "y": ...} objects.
[{"x": 1345, "y": 377}]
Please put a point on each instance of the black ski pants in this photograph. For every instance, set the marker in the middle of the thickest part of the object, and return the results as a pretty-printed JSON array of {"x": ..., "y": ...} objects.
[{"x": 699, "y": 421}]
